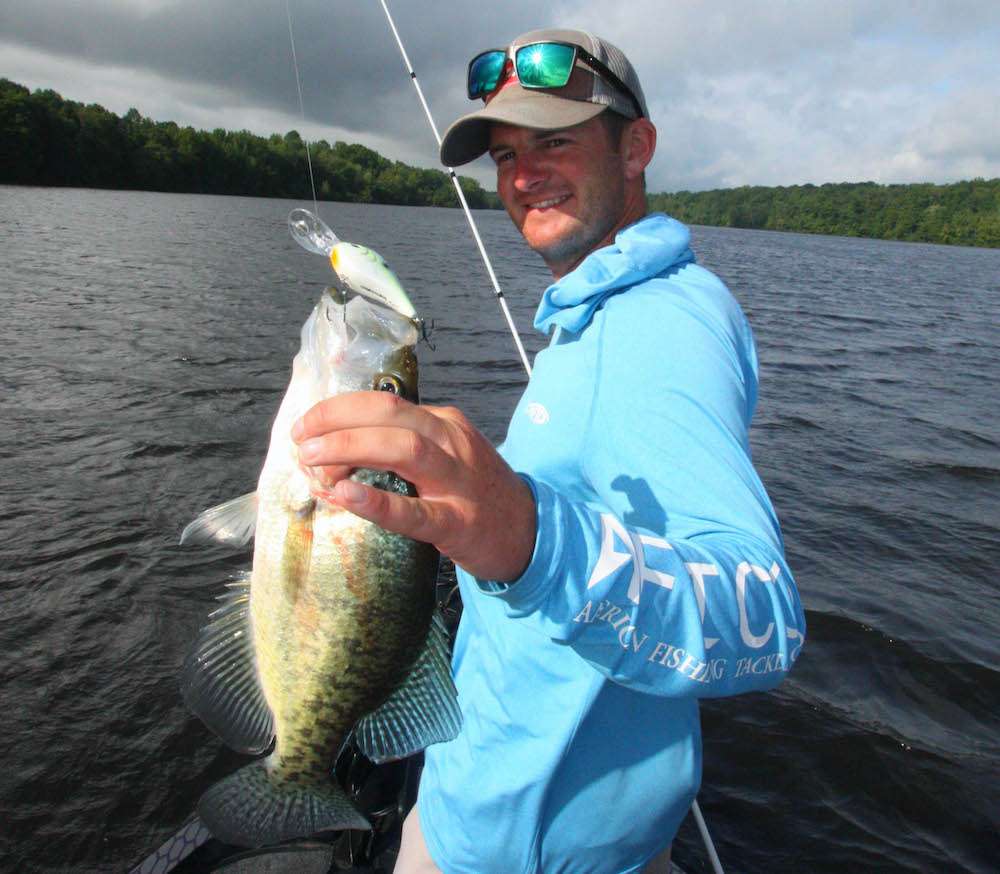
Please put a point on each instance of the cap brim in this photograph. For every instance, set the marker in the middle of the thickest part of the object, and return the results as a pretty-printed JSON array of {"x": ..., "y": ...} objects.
[{"x": 469, "y": 136}]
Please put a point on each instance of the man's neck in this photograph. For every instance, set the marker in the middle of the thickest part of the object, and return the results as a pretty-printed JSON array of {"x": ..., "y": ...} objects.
[{"x": 635, "y": 211}]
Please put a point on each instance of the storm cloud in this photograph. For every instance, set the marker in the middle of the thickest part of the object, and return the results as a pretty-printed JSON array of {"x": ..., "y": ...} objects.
[{"x": 763, "y": 93}]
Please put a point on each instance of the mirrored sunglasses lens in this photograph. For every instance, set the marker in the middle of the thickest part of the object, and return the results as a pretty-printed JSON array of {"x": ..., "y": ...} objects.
[
  {"x": 544, "y": 65},
  {"x": 484, "y": 73}
]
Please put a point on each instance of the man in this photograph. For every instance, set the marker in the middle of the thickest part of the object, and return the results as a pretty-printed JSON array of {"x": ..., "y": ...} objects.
[{"x": 618, "y": 558}]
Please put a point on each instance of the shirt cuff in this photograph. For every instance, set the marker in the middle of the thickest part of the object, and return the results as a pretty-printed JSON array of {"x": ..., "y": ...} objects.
[{"x": 524, "y": 594}]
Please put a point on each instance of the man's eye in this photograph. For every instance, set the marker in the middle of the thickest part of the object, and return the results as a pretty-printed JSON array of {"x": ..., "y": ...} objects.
[
  {"x": 500, "y": 157},
  {"x": 555, "y": 142}
]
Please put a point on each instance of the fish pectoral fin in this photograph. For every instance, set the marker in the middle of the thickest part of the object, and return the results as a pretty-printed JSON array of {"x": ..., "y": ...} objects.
[
  {"x": 219, "y": 679},
  {"x": 231, "y": 523},
  {"x": 422, "y": 711}
]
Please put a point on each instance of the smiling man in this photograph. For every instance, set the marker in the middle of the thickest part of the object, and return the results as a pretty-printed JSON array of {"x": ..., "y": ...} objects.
[
  {"x": 570, "y": 190},
  {"x": 618, "y": 557}
]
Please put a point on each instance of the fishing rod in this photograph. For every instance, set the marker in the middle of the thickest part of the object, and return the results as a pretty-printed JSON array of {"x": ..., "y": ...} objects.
[
  {"x": 461, "y": 197},
  {"x": 695, "y": 809}
]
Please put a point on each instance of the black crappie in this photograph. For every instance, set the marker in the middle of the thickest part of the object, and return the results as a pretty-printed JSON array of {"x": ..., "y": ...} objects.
[{"x": 334, "y": 630}]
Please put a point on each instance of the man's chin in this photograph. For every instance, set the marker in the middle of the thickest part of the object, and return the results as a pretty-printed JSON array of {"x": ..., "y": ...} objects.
[
  {"x": 562, "y": 251},
  {"x": 562, "y": 260},
  {"x": 552, "y": 235}
]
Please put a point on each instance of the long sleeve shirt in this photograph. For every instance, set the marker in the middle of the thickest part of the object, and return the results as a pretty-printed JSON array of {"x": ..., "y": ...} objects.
[{"x": 658, "y": 576}]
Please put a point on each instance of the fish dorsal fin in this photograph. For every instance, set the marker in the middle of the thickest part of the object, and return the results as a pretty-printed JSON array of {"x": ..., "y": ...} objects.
[
  {"x": 219, "y": 680},
  {"x": 421, "y": 712},
  {"x": 232, "y": 523}
]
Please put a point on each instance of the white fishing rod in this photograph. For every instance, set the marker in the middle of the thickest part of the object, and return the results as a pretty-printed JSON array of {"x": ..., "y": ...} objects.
[
  {"x": 461, "y": 196},
  {"x": 695, "y": 809}
]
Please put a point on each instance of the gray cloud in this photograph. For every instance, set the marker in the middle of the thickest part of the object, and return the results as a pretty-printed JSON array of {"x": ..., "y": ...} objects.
[{"x": 775, "y": 93}]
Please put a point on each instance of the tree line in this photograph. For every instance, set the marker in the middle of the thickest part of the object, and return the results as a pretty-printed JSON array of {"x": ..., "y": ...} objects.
[
  {"x": 46, "y": 140},
  {"x": 960, "y": 213}
]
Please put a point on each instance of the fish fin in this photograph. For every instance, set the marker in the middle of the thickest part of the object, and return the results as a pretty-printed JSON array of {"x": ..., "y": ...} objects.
[
  {"x": 250, "y": 809},
  {"x": 421, "y": 712},
  {"x": 231, "y": 523},
  {"x": 219, "y": 679}
]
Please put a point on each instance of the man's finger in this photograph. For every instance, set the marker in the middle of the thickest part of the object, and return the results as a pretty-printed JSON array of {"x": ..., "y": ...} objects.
[
  {"x": 326, "y": 477},
  {"x": 411, "y": 517},
  {"x": 362, "y": 410},
  {"x": 406, "y": 452}
]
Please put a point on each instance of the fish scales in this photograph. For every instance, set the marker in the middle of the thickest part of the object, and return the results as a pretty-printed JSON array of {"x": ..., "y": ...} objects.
[
  {"x": 339, "y": 637},
  {"x": 356, "y": 625}
]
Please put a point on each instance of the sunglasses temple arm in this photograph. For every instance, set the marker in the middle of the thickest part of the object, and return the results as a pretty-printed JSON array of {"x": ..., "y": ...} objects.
[{"x": 461, "y": 196}]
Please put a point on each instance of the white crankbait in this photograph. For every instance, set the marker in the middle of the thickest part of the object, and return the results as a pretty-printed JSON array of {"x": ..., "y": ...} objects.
[{"x": 361, "y": 269}]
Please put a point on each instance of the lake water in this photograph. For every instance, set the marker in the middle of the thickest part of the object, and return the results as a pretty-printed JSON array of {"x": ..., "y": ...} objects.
[{"x": 147, "y": 340}]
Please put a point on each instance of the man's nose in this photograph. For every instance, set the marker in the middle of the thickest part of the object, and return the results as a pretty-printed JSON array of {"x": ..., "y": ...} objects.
[{"x": 529, "y": 172}]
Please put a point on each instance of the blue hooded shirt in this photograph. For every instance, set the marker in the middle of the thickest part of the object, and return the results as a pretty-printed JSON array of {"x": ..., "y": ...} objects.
[{"x": 658, "y": 577}]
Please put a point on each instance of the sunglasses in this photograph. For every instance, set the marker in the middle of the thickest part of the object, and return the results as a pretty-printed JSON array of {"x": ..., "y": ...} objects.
[{"x": 539, "y": 65}]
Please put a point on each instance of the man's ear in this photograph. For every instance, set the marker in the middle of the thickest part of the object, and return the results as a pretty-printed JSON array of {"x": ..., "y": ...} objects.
[{"x": 638, "y": 146}]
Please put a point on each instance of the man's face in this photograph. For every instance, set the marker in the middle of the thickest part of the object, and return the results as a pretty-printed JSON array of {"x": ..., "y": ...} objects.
[{"x": 564, "y": 189}]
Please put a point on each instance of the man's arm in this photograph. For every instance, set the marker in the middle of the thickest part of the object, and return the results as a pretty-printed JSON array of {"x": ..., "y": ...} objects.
[
  {"x": 672, "y": 578},
  {"x": 709, "y": 615}
]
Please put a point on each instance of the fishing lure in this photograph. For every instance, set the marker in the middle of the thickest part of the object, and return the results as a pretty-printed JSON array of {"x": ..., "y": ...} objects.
[{"x": 359, "y": 268}]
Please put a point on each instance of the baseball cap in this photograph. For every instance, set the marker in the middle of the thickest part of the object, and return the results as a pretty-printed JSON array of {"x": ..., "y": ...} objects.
[{"x": 585, "y": 96}]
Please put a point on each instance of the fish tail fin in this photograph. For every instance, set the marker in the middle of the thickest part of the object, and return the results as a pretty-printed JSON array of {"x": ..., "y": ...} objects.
[{"x": 250, "y": 809}]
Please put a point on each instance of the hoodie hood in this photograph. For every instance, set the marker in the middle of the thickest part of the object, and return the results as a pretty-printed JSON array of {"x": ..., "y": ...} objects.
[{"x": 647, "y": 248}]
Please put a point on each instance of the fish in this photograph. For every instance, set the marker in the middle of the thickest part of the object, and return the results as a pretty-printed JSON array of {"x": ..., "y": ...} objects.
[{"x": 333, "y": 635}]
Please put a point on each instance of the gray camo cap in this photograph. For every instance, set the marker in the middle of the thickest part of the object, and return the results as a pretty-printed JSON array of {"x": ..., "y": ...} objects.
[{"x": 586, "y": 95}]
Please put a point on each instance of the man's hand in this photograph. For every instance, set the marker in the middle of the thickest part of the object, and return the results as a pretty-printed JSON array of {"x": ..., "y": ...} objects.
[{"x": 471, "y": 505}]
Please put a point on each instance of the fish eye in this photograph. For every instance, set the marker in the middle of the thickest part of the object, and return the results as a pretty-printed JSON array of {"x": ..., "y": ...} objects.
[{"x": 387, "y": 382}]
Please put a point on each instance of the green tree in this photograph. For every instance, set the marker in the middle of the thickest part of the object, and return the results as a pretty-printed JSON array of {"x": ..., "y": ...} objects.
[
  {"x": 21, "y": 161},
  {"x": 46, "y": 140}
]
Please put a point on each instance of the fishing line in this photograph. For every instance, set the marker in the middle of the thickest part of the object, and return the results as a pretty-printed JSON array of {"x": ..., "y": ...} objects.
[
  {"x": 461, "y": 196},
  {"x": 302, "y": 106},
  {"x": 695, "y": 809}
]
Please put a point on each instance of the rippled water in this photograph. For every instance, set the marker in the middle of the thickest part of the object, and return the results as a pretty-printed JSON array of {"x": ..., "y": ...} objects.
[{"x": 146, "y": 342}]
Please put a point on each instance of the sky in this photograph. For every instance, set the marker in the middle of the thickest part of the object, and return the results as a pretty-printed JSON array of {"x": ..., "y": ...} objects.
[{"x": 741, "y": 92}]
